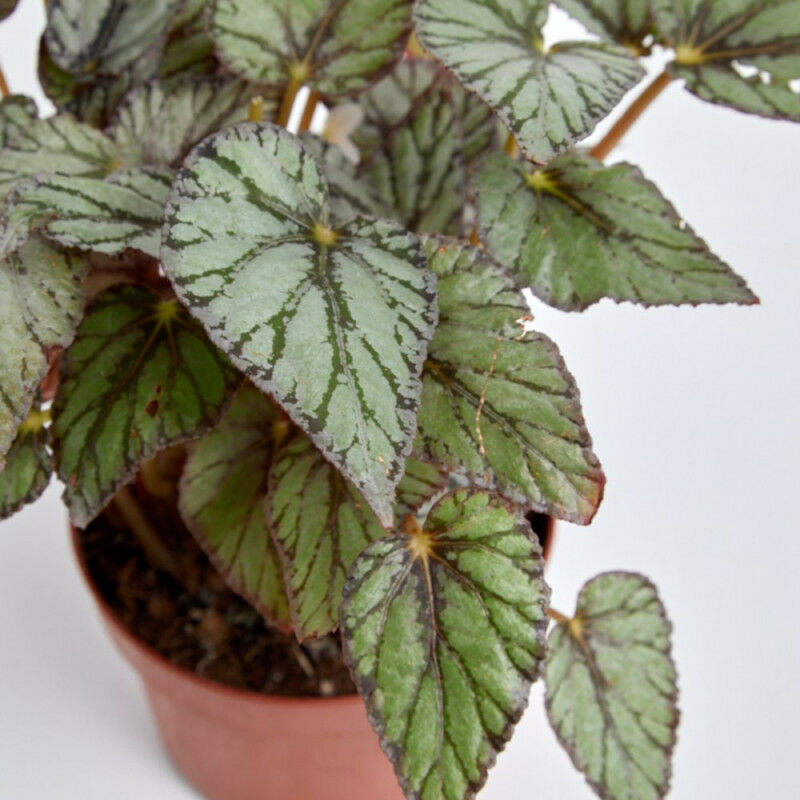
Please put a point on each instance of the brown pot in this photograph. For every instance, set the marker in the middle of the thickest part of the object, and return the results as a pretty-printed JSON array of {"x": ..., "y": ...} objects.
[{"x": 238, "y": 745}]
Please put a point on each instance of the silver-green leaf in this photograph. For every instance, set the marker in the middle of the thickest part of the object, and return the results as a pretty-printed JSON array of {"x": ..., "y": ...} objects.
[
  {"x": 611, "y": 688},
  {"x": 139, "y": 377},
  {"x": 549, "y": 99},
  {"x": 627, "y": 22},
  {"x": 334, "y": 323},
  {"x": 577, "y": 231},
  {"x": 17, "y": 112},
  {"x": 444, "y": 633}
]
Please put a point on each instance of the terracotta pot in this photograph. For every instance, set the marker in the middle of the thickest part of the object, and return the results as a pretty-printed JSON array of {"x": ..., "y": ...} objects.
[{"x": 238, "y": 745}]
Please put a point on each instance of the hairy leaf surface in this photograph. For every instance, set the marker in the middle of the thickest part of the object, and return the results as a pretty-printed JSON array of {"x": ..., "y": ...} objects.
[
  {"x": 628, "y": 22},
  {"x": 611, "y": 688},
  {"x": 17, "y": 112},
  {"x": 222, "y": 495},
  {"x": 26, "y": 468},
  {"x": 444, "y": 633},
  {"x": 577, "y": 231},
  {"x": 549, "y": 99},
  {"x": 140, "y": 376},
  {"x": 334, "y": 46},
  {"x": 498, "y": 403},
  {"x": 333, "y": 323}
]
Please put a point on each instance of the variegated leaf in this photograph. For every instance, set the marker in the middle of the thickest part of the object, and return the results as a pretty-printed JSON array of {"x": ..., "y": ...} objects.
[
  {"x": 502, "y": 407},
  {"x": 160, "y": 122},
  {"x": 139, "y": 377},
  {"x": 444, "y": 633},
  {"x": 320, "y": 525},
  {"x": 628, "y": 22},
  {"x": 189, "y": 47},
  {"x": 740, "y": 53},
  {"x": 126, "y": 210},
  {"x": 7, "y": 8},
  {"x": 41, "y": 299},
  {"x": 549, "y": 99},
  {"x": 26, "y": 469},
  {"x": 333, "y": 322},
  {"x": 421, "y": 483},
  {"x": 17, "y": 112},
  {"x": 222, "y": 494},
  {"x": 578, "y": 231},
  {"x": 611, "y": 688},
  {"x": 336, "y": 47}
]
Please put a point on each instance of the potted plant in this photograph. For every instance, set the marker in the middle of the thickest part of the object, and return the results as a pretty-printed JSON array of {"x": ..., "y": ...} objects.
[{"x": 291, "y": 385}]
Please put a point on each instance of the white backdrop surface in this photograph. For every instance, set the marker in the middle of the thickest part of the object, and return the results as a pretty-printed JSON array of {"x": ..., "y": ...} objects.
[{"x": 695, "y": 417}]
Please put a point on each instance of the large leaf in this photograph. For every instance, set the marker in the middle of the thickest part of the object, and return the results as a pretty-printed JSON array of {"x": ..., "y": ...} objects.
[
  {"x": 40, "y": 305},
  {"x": 548, "y": 98},
  {"x": 444, "y": 633},
  {"x": 499, "y": 403},
  {"x": 124, "y": 210},
  {"x": 740, "y": 53},
  {"x": 222, "y": 495},
  {"x": 578, "y": 231},
  {"x": 320, "y": 525},
  {"x": 629, "y": 22},
  {"x": 611, "y": 688},
  {"x": 104, "y": 36},
  {"x": 26, "y": 469},
  {"x": 335, "y": 46},
  {"x": 333, "y": 323},
  {"x": 159, "y": 123},
  {"x": 17, "y": 112},
  {"x": 139, "y": 377}
]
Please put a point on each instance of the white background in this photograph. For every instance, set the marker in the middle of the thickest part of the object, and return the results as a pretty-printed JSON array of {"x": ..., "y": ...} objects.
[{"x": 695, "y": 417}]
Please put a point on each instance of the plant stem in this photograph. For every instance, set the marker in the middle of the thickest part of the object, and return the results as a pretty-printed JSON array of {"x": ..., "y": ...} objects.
[
  {"x": 557, "y": 616},
  {"x": 626, "y": 121},
  {"x": 4, "y": 90},
  {"x": 292, "y": 88},
  {"x": 308, "y": 113},
  {"x": 145, "y": 533}
]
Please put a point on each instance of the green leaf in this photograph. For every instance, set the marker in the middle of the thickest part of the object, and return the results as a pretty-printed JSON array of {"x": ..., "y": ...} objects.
[
  {"x": 611, "y": 688},
  {"x": 160, "y": 122},
  {"x": 549, "y": 99},
  {"x": 628, "y": 22},
  {"x": 124, "y": 210},
  {"x": 420, "y": 484},
  {"x": 189, "y": 48},
  {"x": 500, "y": 405},
  {"x": 333, "y": 323},
  {"x": 17, "y": 112},
  {"x": 7, "y": 8},
  {"x": 320, "y": 525},
  {"x": 333, "y": 46},
  {"x": 41, "y": 300},
  {"x": 444, "y": 634},
  {"x": 140, "y": 376},
  {"x": 578, "y": 231},
  {"x": 740, "y": 53},
  {"x": 222, "y": 496},
  {"x": 105, "y": 36},
  {"x": 26, "y": 469}
]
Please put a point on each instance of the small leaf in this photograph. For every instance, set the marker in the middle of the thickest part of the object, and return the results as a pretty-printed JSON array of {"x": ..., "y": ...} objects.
[
  {"x": 27, "y": 466},
  {"x": 334, "y": 323},
  {"x": 549, "y": 99},
  {"x": 498, "y": 405},
  {"x": 611, "y": 688},
  {"x": 41, "y": 301},
  {"x": 124, "y": 210},
  {"x": 444, "y": 634},
  {"x": 333, "y": 46},
  {"x": 421, "y": 483},
  {"x": 320, "y": 525},
  {"x": 17, "y": 112},
  {"x": 222, "y": 495},
  {"x": 577, "y": 231},
  {"x": 744, "y": 54},
  {"x": 140, "y": 376},
  {"x": 629, "y": 22}
]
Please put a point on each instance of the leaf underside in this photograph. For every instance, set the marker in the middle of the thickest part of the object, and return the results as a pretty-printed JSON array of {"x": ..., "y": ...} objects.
[
  {"x": 140, "y": 376},
  {"x": 333, "y": 324},
  {"x": 444, "y": 647},
  {"x": 611, "y": 688},
  {"x": 577, "y": 231},
  {"x": 25, "y": 470}
]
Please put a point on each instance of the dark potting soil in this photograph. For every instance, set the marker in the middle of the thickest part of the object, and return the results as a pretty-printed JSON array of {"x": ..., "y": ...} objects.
[{"x": 199, "y": 624}]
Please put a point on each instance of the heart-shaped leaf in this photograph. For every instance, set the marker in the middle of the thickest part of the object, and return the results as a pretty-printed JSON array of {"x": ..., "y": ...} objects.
[
  {"x": 628, "y": 22},
  {"x": 549, "y": 99},
  {"x": 444, "y": 633},
  {"x": 140, "y": 376},
  {"x": 17, "y": 112},
  {"x": 500, "y": 404},
  {"x": 124, "y": 210},
  {"x": 611, "y": 688},
  {"x": 41, "y": 300},
  {"x": 336, "y": 46},
  {"x": 577, "y": 231},
  {"x": 222, "y": 495},
  {"x": 334, "y": 323},
  {"x": 742, "y": 53}
]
